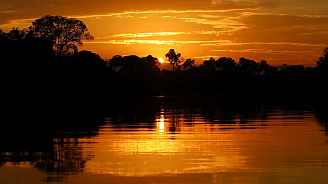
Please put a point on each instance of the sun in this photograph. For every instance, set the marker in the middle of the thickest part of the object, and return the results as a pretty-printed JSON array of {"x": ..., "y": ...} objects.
[{"x": 161, "y": 60}]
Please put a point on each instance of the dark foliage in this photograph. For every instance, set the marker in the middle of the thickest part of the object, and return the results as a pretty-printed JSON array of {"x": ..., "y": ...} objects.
[
  {"x": 65, "y": 34},
  {"x": 33, "y": 69},
  {"x": 174, "y": 59},
  {"x": 323, "y": 62}
]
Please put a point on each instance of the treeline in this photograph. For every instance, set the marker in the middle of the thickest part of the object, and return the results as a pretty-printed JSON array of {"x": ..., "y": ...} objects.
[{"x": 40, "y": 64}]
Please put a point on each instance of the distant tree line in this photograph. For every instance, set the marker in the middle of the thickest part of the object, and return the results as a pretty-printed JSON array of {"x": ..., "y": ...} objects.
[{"x": 43, "y": 61}]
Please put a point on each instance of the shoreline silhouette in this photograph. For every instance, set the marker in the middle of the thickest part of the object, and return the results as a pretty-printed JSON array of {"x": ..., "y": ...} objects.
[{"x": 45, "y": 66}]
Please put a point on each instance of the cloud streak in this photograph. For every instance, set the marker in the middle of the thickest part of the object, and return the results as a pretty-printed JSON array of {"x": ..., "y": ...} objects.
[
  {"x": 157, "y": 42},
  {"x": 170, "y": 12}
]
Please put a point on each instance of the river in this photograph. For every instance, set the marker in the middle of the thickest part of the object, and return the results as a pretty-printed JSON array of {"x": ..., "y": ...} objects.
[{"x": 176, "y": 141}]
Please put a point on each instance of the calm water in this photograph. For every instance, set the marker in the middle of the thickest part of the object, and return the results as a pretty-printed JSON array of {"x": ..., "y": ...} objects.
[{"x": 178, "y": 142}]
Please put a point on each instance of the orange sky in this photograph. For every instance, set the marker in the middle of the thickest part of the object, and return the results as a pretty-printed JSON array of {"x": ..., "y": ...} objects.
[{"x": 280, "y": 31}]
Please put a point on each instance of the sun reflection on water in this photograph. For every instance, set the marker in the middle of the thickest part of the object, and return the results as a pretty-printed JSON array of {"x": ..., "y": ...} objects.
[
  {"x": 161, "y": 124},
  {"x": 172, "y": 146},
  {"x": 186, "y": 144}
]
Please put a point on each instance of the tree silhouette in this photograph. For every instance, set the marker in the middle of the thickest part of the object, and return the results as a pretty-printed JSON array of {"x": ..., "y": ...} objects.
[
  {"x": 264, "y": 67},
  {"x": 18, "y": 45},
  {"x": 66, "y": 34},
  {"x": 210, "y": 65},
  {"x": 226, "y": 65},
  {"x": 15, "y": 34},
  {"x": 247, "y": 66},
  {"x": 90, "y": 58},
  {"x": 174, "y": 59},
  {"x": 152, "y": 63},
  {"x": 188, "y": 64},
  {"x": 322, "y": 63},
  {"x": 116, "y": 63},
  {"x": 89, "y": 63}
]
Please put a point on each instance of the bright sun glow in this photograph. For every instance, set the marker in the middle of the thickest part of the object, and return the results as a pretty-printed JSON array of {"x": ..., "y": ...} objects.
[
  {"x": 161, "y": 124},
  {"x": 161, "y": 60}
]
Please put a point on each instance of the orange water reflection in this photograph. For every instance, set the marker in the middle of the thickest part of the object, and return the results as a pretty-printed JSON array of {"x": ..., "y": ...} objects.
[
  {"x": 176, "y": 146},
  {"x": 187, "y": 146}
]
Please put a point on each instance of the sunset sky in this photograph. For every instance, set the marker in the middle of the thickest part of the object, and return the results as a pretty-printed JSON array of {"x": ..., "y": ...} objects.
[{"x": 279, "y": 31}]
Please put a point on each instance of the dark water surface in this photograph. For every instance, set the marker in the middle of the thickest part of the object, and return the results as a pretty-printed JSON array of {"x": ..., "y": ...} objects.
[{"x": 171, "y": 140}]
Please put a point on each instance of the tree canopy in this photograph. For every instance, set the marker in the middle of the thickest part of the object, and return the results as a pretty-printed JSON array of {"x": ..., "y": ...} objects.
[
  {"x": 188, "y": 64},
  {"x": 323, "y": 60},
  {"x": 66, "y": 34},
  {"x": 42, "y": 52},
  {"x": 174, "y": 59}
]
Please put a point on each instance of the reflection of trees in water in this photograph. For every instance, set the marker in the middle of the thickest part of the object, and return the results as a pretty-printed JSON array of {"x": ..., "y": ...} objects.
[
  {"x": 219, "y": 115},
  {"x": 127, "y": 114},
  {"x": 174, "y": 118},
  {"x": 57, "y": 158},
  {"x": 230, "y": 113},
  {"x": 61, "y": 154},
  {"x": 322, "y": 117},
  {"x": 55, "y": 150},
  {"x": 65, "y": 158},
  {"x": 175, "y": 112}
]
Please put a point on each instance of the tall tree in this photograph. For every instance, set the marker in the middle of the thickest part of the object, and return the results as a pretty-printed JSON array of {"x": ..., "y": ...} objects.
[
  {"x": 66, "y": 34},
  {"x": 174, "y": 59}
]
